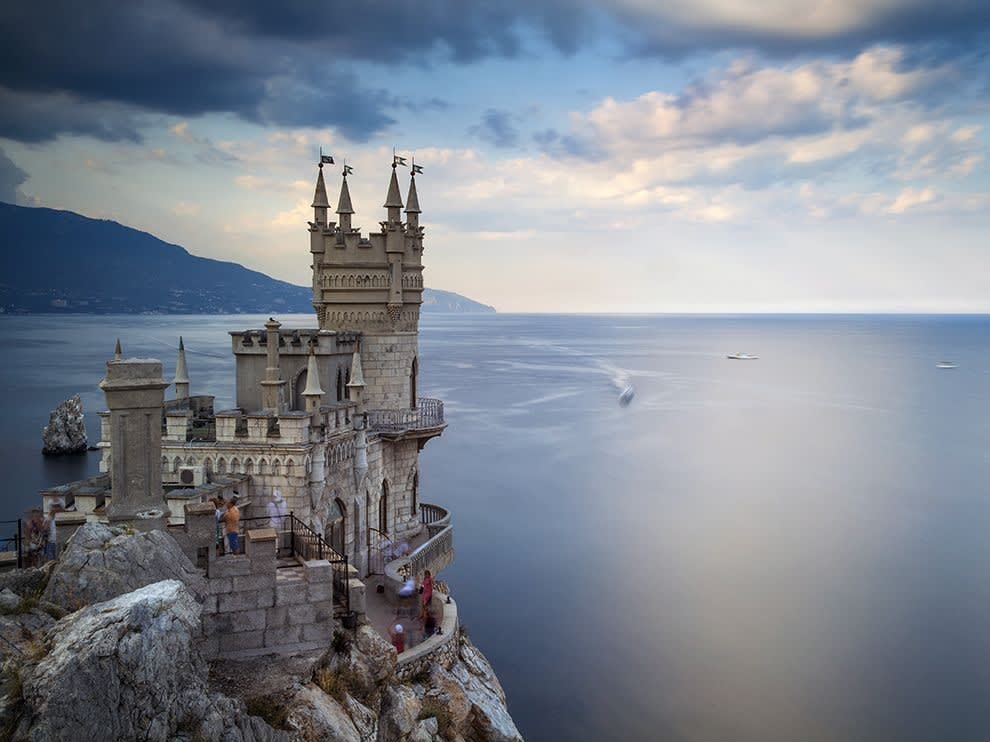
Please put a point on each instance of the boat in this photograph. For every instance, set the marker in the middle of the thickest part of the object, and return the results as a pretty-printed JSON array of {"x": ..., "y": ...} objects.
[
  {"x": 945, "y": 364},
  {"x": 742, "y": 357},
  {"x": 627, "y": 394}
]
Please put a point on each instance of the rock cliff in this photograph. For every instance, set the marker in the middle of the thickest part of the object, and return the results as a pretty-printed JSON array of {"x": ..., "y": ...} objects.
[
  {"x": 126, "y": 664},
  {"x": 66, "y": 431}
]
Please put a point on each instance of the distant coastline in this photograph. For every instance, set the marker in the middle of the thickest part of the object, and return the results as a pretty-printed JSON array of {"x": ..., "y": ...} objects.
[{"x": 60, "y": 262}]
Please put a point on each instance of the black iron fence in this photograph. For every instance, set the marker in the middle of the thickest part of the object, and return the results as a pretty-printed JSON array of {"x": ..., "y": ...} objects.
[{"x": 15, "y": 541}]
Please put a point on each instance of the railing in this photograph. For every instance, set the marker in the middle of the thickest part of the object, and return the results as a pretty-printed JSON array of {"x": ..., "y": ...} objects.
[
  {"x": 303, "y": 542},
  {"x": 435, "y": 554},
  {"x": 308, "y": 544},
  {"x": 428, "y": 413},
  {"x": 433, "y": 514},
  {"x": 15, "y": 542}
]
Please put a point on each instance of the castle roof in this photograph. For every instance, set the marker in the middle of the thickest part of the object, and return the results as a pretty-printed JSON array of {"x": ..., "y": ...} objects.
[
  {"x": 394, "y": 200},
  {"x": 320, "y": 197},
  {"x": 412, "y": 200},
  {"x": 344, "y": 203}
]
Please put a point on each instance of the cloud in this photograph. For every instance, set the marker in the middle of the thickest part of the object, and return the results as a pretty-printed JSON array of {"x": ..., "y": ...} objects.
[
  {"x": 497, "y": 128},
  {"x": 186, "y": 208},
  {"x": 11, "y": 179},
  {"x": 794, "y": 27}
]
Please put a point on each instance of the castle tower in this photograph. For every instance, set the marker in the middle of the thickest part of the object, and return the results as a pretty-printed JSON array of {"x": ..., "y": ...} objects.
[
  {"x": 135, "y": 393},
  {"x": 373, "y": 285},
  {"x": 273, "y": 385},
  {"x": 181, "y": 379},
  {"x": 320, "y": 202}
]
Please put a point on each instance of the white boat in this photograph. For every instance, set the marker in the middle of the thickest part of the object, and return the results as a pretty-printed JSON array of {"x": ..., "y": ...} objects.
[
  {"x": 945, "y": 364},
  {"x": 627, "y": 394},
  {"x": 742, "y": 357}
]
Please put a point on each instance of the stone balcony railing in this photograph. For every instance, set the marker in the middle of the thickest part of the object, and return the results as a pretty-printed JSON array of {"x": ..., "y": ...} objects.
[{"x": 427, "y": 414}]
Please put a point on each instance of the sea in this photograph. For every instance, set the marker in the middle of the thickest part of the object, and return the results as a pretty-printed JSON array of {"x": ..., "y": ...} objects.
[{"x": 790, "y": 548}]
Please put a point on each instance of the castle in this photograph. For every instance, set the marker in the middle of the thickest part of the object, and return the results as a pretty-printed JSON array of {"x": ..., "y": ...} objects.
[{"x": 328, "y": 417}]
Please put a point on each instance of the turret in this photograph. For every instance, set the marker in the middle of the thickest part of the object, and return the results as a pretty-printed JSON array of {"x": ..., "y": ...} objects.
[
  {"x": 320, "y": 202},
  {"x": 313, "y": 391},
  {"x": 272, "y": 386},
  {"x": 181, "y": 379},
  {"x": 412, "y": 201},
  {"x": 344, "y": 208},
  {"x": 393, "y": 201},
  {"x": 118, "y": 354},
  {"x": 355, "y": 390}
]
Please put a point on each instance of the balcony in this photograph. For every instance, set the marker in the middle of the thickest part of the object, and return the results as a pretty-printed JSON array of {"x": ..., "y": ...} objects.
[{"x": 425, "y": 418}]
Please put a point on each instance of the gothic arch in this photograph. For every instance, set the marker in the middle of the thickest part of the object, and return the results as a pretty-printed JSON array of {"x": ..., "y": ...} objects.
[
  {"x": 235, "y": 465},
  {"x": 221, "y": 465}
]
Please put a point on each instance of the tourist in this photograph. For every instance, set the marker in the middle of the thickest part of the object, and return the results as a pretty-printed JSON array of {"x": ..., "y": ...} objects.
[
  {"x": 221, "y": 506},
  {"x": 51, "y": 547},
  {"x": 408, "y": 588},
  {"x": 427, "y": 593},
  {"x": 429, "y": 624},
  {"x": 232, "y": 521},
  {"x": 36, "y": 534},
  {"x": 398, "y": 637},
  {"x": 277, "y": 511}
]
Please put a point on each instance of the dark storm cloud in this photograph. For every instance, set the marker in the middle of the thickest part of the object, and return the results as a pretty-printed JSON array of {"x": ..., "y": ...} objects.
[
  {"x": 279, "y": 63},
  {"x": 11, "y": 178},
  {"x": 497, "y": 128},
  {"x": 99, "y": 67}
]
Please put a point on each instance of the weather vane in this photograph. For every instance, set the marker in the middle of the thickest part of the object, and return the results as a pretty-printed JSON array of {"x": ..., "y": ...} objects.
[
  {"x": 416, "y": 169},
  {"x": 325, "y": 159}
]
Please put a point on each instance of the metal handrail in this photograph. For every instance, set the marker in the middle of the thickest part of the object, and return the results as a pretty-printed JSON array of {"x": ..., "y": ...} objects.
[
  {"x": 428, "y": 413},
  {"x": 17, "y": 540},
  {"x": 302, "y": 539}
]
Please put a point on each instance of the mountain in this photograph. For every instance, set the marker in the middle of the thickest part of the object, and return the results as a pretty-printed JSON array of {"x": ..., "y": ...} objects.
[{"x": 59, "y": 261}]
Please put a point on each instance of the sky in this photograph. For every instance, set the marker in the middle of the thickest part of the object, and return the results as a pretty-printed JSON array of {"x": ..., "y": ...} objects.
[{"x": 612, "y": 156}]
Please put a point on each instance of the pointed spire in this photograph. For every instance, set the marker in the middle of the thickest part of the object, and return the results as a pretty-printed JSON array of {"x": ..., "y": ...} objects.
[
  {"x": 394, "y": 200},
  {"x": 357, "y": 374},
  {"x": 320, "y": 197},
  {"x": 412, "y": 200},
  {"x": 344, "y": 203},
  {"x": 181, "y": 374},
  {"x": 118, "y": 354},
  {"x": 313, "y": 388}
]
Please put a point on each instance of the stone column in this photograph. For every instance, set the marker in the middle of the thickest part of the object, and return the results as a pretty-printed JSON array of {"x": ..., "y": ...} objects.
[
  {"x": 135, "y": 393},
  {"x": 273, "y": 384}
]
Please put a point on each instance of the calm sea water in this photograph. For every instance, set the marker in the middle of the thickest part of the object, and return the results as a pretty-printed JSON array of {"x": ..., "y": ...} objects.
[{"x": 794, "y": 548}]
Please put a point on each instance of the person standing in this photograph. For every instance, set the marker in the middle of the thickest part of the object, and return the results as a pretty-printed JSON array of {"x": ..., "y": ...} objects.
[
  {"x": 427, "y": 593},
  {"x": 231, "y": 522}
]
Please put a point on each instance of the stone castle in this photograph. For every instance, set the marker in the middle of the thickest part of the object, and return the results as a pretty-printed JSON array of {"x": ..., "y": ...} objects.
[{"x": 327, "y": 417}]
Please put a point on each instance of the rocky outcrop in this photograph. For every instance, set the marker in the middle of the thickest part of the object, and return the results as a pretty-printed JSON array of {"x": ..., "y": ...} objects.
[
  {"x": 129, "y": 669},
  {"x": 100, "y": 563},
  {"x": 66, "y": 430}
]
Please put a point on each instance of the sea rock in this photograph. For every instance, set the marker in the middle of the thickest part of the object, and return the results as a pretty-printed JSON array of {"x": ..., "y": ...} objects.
[
  {"x": 66, "y": 430},
  {"x": 100, "y": 562}
]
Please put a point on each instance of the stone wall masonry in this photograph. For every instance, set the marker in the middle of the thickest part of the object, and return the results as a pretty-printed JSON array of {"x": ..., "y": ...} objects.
[
  {"x": 440, "y": 648},
  {"x": 253, "y": 608}
]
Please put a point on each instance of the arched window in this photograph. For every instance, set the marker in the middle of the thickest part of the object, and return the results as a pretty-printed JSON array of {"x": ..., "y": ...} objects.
[
  {"x": 221, "y": 465},
  {"x": 336, "y": 525},
  {"x": 383, "y": 509},
  {"x": 356, "y": 528},
  {"x": 340, "y": 386},
  {"x": 415, "y": 492},
  {"x": 413, "y": 373}
]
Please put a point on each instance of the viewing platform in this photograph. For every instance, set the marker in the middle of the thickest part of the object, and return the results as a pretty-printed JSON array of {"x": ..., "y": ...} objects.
[{"x": 425, "y": 419}]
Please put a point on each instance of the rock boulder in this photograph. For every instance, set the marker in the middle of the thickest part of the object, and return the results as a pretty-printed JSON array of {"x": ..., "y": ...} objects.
[
  {"x": 66, "y": 430},
  {"x": 100, "y": 563}
]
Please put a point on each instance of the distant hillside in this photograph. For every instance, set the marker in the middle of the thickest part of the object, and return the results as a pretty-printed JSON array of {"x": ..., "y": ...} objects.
[{"x": 59, "y": 261}]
